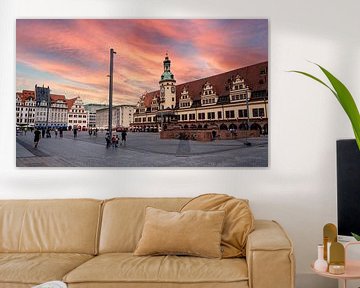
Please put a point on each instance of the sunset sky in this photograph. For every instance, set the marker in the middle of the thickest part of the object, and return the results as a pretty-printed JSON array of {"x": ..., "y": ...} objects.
[{"x": 72, "y": 56}]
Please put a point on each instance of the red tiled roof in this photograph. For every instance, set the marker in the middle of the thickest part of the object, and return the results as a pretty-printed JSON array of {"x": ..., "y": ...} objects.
[
  {"x": 55, "y": 97},
  {"x": 70, "y": 102},
  {"x": 220, "y": 82},
  {"x": 26, "y": 94}
]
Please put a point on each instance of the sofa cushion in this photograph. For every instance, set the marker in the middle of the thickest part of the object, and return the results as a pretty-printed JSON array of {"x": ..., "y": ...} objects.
[
  {"x": 36, "y": 268},
  {"x": 123, "y": 220},
  {"x": 193, "y": 232},
  {"x": 126, "y": 268},
  {"x": 62, "y": 226},
  {"x": 238, "y": 223}
]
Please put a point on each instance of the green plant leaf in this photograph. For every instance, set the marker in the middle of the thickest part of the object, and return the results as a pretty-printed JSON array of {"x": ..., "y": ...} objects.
[
  {"x": 356, "y": 236},
  {"x": 347, "y": 102},
  {"x": 344, "y": 97},
  {"x": 316, "y": 79}
]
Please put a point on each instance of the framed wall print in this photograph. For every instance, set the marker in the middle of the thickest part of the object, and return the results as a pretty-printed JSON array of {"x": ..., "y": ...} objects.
[{"x": 142, "y": 93}]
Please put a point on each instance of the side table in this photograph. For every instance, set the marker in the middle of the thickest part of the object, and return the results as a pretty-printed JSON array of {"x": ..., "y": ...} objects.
[{"x": 352, "y": 269}]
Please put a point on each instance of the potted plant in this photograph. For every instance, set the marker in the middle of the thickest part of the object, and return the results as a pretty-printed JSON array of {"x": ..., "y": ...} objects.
[{"x": 346, "y": 100}]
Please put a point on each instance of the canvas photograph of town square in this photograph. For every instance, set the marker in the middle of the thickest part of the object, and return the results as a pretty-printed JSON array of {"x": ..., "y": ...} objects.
[{"x": 142, "y": 93}]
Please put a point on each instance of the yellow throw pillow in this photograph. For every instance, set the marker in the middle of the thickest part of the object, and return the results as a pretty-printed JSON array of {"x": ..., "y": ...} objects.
[
  {"x": 196, "y": 233},
  {"x": 239, "y": 220}
]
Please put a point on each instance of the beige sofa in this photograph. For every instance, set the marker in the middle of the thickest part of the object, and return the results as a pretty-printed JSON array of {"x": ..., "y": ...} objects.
[{"x": 89, "y": 243}]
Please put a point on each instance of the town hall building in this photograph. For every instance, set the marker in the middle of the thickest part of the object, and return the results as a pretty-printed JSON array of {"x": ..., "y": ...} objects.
[{"x": 234, "y": 100}]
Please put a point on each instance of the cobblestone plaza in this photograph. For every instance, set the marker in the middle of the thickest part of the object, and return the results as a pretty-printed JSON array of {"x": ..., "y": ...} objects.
[{"x": 141, "y": 150}]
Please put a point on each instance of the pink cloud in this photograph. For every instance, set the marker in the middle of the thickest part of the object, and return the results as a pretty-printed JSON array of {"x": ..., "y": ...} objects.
[{"x": 77, "y": 52}]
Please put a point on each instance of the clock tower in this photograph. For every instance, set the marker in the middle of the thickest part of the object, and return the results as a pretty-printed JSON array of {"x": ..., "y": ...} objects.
[{"x": 167, "y": 87}]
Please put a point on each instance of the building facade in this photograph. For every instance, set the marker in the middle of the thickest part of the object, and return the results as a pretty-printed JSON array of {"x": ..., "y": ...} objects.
[
  {"x": 91, "y": 110},
  {"x": 122, "y": 117},
  {"x": 237, "y": 99},
  {"x": 77, "y": 116},
  {"x": 25, "y": 109},
  {"x": 41, "y": 109},
  {"x": 55, "y": 116}
]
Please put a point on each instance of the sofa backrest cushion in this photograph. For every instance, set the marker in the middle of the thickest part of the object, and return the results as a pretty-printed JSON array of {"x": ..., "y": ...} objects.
[
  {"x": 123, "y": 220},
  {"x": 64, "y": 226}
]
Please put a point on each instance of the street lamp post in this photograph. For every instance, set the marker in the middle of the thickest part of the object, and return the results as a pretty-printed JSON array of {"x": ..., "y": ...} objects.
[
  {"x": 247, "y": 143},
  {"x": 48, "y": 110},
  {"x": 112, "y": 52}
]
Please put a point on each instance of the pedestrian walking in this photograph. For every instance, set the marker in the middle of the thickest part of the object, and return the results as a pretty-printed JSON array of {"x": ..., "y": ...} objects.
[
  {"x": 75, "y": 132},
  {"x": 123, "y": 137},
  {"x": 213, "y": 133},
  {"x": 56, "y": 133},
  {"x": 108, "y": 140},
  {"x": 43, "y": 132},
  {"x": 113, "y": 141},
  {"x": 117, "y": 140},
  {"x": 61, "y": 132},
  {"x": 36, "y": 138},
  {"x": 48, "y": 134}
]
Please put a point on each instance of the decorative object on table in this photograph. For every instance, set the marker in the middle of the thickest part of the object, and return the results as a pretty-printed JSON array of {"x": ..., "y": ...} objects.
[
  {"x": 344, "y": 97},
  {"x": 51, "y": 284},
  {"x": 337, "y": 258},
  {"x": 349, "y": 270},
  {"x": 320, "y": 264},
  {"x": 329, "y": 236}
]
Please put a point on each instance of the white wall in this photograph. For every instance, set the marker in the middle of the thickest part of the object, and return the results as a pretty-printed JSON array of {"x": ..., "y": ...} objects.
[{"x": 299, "y": 187}]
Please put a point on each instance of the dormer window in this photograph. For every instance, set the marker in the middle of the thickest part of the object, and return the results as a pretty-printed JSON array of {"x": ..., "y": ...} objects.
[
  {"x": 239, "y": 90},
  {"x": 154, "y": 104},
  {"x": 208, "y": 96},
  {"x": 185, "y": 100}
]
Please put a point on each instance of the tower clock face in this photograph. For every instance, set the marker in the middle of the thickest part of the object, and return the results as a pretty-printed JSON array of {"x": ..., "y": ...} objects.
[{"x": 173, "y": 89}]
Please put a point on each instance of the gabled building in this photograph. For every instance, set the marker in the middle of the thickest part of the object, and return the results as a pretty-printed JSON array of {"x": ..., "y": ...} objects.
[
  {"x": 237, "y": 99},
  {"x": 77, "y": 116},
  {"x": 25, "y": 109}
]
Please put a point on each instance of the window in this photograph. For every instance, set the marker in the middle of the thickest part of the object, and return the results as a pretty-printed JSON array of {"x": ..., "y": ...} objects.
[
  {"x": 230, "y": 114},
  {"x": 149, "y": 119},
  {"x": 242, "y": 113},
  {"x": 192, "y": 116},
  {"x": 211, "y": 115},
  {"x": 201, "y": 116},
  {"x": 261, "y": 112},
  {"x": 184, "y": 117},
  {"x": 144, "y": 119},
  {"x": 258, "y": 112},
  {"x": 219, "y": 115}
]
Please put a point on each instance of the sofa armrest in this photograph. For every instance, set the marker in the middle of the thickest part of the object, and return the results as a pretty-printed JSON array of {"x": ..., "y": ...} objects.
[{"x": 269, "y": 256}]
